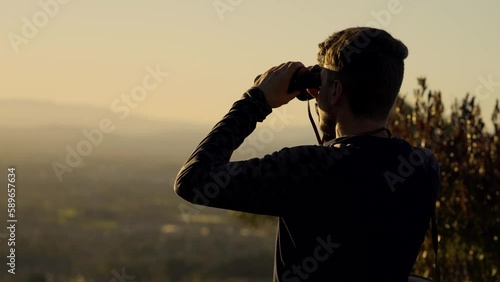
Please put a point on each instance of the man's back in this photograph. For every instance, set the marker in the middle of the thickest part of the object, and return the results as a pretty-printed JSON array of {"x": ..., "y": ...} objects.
[{"x": 363, "y": 218}]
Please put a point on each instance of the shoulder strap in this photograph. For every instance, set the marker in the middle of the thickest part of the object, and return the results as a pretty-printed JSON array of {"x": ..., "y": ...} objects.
[
  {"x": 437, "y": 275},
  {"x": 434, "y": 231}
]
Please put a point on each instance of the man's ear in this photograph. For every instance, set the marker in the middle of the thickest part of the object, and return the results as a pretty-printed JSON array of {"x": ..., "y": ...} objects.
[{"x": 337, "y": 92}]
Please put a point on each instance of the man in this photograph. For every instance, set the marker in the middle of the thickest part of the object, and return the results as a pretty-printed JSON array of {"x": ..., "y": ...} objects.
[{"x": 354, "y": 209}]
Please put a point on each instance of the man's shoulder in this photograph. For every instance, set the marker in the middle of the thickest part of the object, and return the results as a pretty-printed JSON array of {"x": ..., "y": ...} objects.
[
  {"x": 315, "y": 151},
  {"x": 428, "y": 156}
]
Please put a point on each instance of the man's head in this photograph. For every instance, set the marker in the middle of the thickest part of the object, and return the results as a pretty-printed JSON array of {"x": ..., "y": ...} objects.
[{"x": 363, "y": 72}]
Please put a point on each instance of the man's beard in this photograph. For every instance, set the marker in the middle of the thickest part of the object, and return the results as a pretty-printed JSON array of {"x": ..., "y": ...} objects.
[{"x": 327, "y": 125}]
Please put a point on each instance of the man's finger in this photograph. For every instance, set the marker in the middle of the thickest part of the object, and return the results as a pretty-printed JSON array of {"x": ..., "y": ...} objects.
[
  {"x": 280, "y": 66},
  {"x": 291, "y": 68},
  {"x": 294, "y": 65}
]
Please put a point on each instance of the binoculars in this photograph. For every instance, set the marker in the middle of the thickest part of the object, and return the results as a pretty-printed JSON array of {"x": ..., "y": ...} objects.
[{"x": 302, "y": 79}]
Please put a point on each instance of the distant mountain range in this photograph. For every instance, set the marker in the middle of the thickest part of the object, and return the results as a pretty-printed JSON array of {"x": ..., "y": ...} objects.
[{"x": 42, "y": 130}]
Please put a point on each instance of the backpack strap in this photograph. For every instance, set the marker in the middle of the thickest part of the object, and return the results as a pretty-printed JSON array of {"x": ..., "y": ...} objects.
[{"x": 434, "y": 231}]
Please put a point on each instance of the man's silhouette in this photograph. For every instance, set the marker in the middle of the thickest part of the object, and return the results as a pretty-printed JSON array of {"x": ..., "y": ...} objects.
[{"x": 353, "y": 209}]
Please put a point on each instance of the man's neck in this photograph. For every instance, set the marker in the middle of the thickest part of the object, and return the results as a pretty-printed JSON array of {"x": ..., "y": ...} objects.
[{"x": 359, "y": 126}]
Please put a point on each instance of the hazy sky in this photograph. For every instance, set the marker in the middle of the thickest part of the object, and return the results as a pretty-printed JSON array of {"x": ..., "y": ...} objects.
[{"x": 92, "y": 52}]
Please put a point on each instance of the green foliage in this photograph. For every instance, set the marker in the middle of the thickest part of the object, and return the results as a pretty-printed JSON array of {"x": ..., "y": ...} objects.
[{"x": 468, "y": 206}]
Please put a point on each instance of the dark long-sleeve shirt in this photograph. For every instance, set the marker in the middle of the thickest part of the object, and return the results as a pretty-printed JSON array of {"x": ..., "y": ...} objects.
[{"x": 354, "y": 211}]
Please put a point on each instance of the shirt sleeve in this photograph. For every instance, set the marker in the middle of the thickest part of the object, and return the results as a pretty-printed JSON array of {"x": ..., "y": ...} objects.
[{"x": 272, "y": 185}]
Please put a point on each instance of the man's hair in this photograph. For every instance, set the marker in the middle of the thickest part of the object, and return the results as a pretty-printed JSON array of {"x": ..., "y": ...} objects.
[{"x": 370, "y": 65}]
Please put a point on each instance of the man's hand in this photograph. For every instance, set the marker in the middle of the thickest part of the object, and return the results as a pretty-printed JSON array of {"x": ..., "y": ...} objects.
[{"x": 274, "y": 83}]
